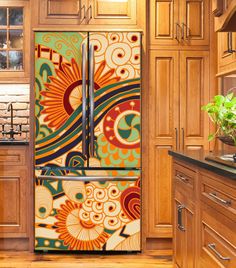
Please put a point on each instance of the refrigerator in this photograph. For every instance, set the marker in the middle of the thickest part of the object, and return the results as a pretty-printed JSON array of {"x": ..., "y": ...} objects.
[{"x": 87, "y": 153}]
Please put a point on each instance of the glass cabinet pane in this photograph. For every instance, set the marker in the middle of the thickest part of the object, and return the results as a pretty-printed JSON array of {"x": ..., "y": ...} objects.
[
  {"x": 3, "y": 38},
  {"x": 3, "y": 16},
  {"x": 3, "y": 60},
  {"x": 16, "y": 38},
  {"x": 16, "y": 16},
  {"x": 16, "y": 60}
]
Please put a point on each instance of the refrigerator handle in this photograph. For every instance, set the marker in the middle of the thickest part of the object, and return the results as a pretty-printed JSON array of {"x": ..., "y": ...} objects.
[
  {"x": 91, "y": 97},
  {"x": 88, "y": 178},
  {"x": 84, "y": 151}
]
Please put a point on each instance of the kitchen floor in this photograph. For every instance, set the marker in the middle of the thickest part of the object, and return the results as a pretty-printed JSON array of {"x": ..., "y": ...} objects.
[{"x": 157, "y": 259}]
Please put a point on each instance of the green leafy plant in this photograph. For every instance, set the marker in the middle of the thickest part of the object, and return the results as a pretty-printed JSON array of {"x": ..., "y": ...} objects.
[{"x": 222, "y": 112}]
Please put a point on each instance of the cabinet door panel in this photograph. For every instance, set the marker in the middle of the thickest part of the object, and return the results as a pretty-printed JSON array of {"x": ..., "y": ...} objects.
[
  {"x": 226, "y": 59},
  {"x": 60, "y": 11},
  {"x": 113, "y": 12},
  {"x": 164, "y": 16},
  {"x": 13, "y": 207},
  {"x": 194, "y": 17},
  {"x": 66, "y": 7},
  {"x": 194, "y": 86},
  {"x": 164, "y": 113}
]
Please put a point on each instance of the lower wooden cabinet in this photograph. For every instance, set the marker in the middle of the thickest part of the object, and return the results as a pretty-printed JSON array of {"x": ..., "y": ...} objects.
[
  {"x": 184, "y": 225},
  {"x": 14, "y": 195},
  {"x": 204, "y": 215}
]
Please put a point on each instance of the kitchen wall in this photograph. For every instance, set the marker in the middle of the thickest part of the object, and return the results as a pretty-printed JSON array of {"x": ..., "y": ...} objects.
[{"x": 19, "y": 96}]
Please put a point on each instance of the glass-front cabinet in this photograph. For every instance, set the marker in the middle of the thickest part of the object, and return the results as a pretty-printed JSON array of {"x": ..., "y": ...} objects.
[{"x": 14, "y": 41}]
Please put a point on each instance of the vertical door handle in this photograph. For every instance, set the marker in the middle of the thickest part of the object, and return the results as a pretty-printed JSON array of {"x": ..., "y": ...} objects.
[
  {"x": 177, "y": 26},
  {"x": 90, "y": 12},
  {"x": 176, "y": 139},
  {"x": 84, "y": 12},
  {"x": 182, "y": 138},
  {"x": 91, "y": 97},
  {"x": 182, "y": 31},
  {"x": 84, "y": 101},
  {"x": 180, "y": 220},
  {"x": 230, "y": 43}
]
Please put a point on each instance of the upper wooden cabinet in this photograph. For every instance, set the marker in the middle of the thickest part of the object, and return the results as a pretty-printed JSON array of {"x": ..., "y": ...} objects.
[
  {"x": 225, "y": 15},
  {"x": 87, "y": 12},
  {"x": 226, "y": 52},
  {"x": 14, "y": 41},
  {"x": 180, "y": 22}
]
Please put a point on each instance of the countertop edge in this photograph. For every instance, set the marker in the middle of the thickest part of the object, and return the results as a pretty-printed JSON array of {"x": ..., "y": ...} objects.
[{"x": 208, "y": 165}]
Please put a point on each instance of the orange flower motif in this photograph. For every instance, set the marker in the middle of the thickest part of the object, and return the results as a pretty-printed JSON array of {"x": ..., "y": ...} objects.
[
  {"x": 63, "y": 93},
  {"x": 78, "y": 234}
]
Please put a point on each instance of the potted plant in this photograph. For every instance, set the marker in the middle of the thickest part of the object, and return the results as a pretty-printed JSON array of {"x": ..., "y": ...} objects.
[{"x": 222, "y": 112}]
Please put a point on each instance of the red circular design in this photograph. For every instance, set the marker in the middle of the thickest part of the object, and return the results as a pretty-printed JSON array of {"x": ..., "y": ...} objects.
[{"x": 110, "y": 120}]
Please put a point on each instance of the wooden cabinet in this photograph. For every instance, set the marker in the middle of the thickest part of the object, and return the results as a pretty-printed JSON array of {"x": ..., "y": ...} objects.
[
  {"x": 87, "y": 12},
  {"x": 14, "y": 41},
  {"x": 179, "y": 86},
  {"x": 180, "y": 22},
  {"x": 163, "y": 103},
  {"x": 225, "y": 15},
  {"x": 217, "y": 221},
  {"x": 184, "y": 224},
  {"x": 226, "y": 52},
  {"x": 14, "y": 195},
  {"x": 204, "y": 209},
  {"x": 194, "y": 93}
]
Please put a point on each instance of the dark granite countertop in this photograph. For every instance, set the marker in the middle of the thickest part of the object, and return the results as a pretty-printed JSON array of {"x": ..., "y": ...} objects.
[
  {"x": 14, "y": 142},
  {"x": 198, "y": 158}
]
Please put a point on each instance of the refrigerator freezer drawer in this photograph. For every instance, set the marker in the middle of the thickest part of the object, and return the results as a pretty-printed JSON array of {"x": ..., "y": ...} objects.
[{"x": 87, "y": 215}]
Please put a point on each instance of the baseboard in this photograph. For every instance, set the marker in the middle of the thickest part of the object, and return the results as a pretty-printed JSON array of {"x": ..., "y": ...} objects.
[
  {"x": 14, "y": 244},
  {"x": 159, "y": 244}
]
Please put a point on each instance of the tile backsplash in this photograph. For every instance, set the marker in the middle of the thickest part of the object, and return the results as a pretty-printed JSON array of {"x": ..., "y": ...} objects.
[{"x": 18, "y": 95}]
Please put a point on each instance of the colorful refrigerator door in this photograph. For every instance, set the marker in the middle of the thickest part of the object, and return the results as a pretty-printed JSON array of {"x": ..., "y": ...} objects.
[
  {"x": 60, "y": 99},
  {"x": 114, "y": 99},
  {"x": 80, "y": 203}
]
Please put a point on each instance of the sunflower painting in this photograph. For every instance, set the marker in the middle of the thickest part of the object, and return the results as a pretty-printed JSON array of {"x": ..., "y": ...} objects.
[{"x": 63, "y": 94}]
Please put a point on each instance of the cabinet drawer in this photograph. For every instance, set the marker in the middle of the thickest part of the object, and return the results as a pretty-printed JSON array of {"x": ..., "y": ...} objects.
[
  {"x": 12, "y": 157},
  {"x": 220, "y": 223},
  {"x": 215, "y": 250},
  {"x": 184, "y": 180},
  {"x": 219, "y": 195}
]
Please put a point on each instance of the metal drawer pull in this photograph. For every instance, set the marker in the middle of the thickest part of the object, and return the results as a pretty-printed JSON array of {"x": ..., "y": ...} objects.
[
  {"x": 182, "y": 178},
  {"x": 88, "y": 178},
  {"x": 225, "y": 202},
  {"x": 180, "y": 221},
  {"x": 213, "y": 248}
]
